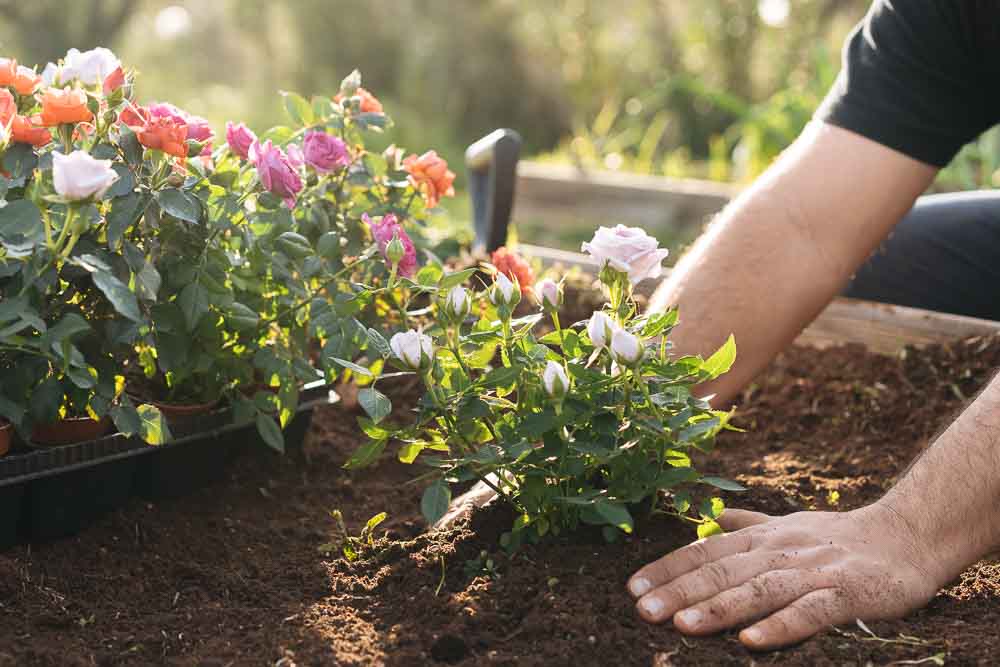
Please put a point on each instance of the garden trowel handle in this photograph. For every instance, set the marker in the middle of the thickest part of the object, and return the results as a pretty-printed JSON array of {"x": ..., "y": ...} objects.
[{"x": 492, "y": 167}]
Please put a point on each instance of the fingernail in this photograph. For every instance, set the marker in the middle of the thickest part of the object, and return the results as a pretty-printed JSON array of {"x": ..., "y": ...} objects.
[
  {"x": 639, "y": 586},
  {"x": 689, "y": 617},
  {"x": 753, "y": 635},
  {"x": 651, "y": 605}
]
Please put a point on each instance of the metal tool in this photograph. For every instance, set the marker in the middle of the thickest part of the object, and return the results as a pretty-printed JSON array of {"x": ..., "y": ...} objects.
[{"x": 491, "y": 163}]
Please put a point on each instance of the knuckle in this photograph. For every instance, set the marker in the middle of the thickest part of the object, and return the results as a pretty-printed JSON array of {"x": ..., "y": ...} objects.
[
  {"x": 813, "y": 613},
  {"x": 716, "y": 575},
  {"x": 698, "y": 551},
  {"x": 759, "y": 588}
]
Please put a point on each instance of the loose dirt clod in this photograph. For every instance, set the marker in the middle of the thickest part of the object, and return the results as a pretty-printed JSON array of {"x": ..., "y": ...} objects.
[{"x": 231, "y": 576}]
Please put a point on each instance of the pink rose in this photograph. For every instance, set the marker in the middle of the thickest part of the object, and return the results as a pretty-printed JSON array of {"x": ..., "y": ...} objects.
[
  {"x": 324, "y": 152},
  {"x": 628, "y": 250},
  {"x": 277, "y": 173},
  {"x": 383, "y": 231},
  {"x": 240, "y": 138}
]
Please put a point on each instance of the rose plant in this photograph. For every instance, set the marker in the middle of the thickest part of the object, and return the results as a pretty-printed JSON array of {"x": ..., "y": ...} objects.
[
  {"x": 144, "y": 263},
  {"x": 587, "y": 424}
]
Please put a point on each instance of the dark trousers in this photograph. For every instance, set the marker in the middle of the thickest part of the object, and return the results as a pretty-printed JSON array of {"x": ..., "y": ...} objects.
[{"x": 944, "y": 256}]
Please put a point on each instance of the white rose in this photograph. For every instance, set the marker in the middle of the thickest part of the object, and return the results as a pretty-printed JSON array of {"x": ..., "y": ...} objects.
[
  {"x": 50, "y": 75},
  {"x": 626, "y": 348},
  {"x": 458, "y": 303},
  {"x": 413, "y": 348},
  {"x": 629, "y": 250},
  {"x": 554, "y": 380},
  {"x": 601, "y": 328},
  {"x": 78, "y": 176},
  {"x": 548, "y": 294},
  {"x": 504, "y": 291},
  {"x": 89, "y": 67}
]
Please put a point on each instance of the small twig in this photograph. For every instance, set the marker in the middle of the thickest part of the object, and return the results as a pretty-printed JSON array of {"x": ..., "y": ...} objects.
[{"x": 440, "y": 583}]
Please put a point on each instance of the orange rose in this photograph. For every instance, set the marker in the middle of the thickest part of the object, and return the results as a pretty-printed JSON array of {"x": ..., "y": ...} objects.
[
  {"x": 513, "y": 266},
  {"x": 8, "y": 71},
  {"x": 64, "y": 106},
  {"x": 8, "y": 107},
  {"x": 369, "y": 103},
  {"x": 430, "y": 175},
  {"x": 162, "y": 133},
  {"x": 26, "y": 81},
  {"x": 29, "y": 131}
]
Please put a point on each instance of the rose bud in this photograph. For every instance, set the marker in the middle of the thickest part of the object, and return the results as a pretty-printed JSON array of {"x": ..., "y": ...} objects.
[
  {"x": 458, "y": 303},
  {"x": 549, "y": 294},
  {"x": 554, "y": 380},
  {"x": 395, "y": 251},
  {"x": 413, "y": 349},
  {"x": 600, "y": 328},
  {"x": 504, "y": 292},
  {"x": 78, "y": 176},
  {"x": 626, "y": 348}
]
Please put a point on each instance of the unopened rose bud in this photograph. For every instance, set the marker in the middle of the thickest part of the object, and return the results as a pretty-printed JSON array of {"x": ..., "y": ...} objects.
[
  {"x": 600, "y": 328},
  {"x": 554, "y": 380},
  {"x": 413, "y": 349},
  {"x": 505, "y": 292},
  {"x": 395, "y": 250},
  {"x": 626, "y": 348},
  {"x": 458, "y": 303},
  {"x": 194, "y": 148},
  {"x": 549, "y": 294}
]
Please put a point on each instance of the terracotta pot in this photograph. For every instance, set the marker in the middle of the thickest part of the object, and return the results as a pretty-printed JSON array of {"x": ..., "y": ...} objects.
[
  {"x": 184, "y": 410},
  {"x": 69, "y": 431},
  {"x": 6, "y": 434}
]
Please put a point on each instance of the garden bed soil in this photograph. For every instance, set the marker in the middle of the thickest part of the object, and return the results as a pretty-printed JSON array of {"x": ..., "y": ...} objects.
[{"x": 233, "y": 574}]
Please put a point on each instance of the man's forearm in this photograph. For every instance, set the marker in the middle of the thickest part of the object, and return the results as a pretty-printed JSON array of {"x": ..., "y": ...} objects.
[
  {"x": 950, "y": 497},
  {"x": 776, "y": 256}
]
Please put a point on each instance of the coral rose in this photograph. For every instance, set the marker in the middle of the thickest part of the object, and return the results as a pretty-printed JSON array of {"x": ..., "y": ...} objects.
[
  {"x": 513, "y": 266},
  {"x": 64, "y": 106},
  {"x": 114, "y": 81},
  {"x": 26, "y": 82},
  {"x": 29, "y": 131},
  {"x": 8, "y": 71},
  {"x": 430, "y": 175},
  {"x": 164, "y": 132},
  {"x": 369, "y": 103},
  {"x": 8, "y": 107}
]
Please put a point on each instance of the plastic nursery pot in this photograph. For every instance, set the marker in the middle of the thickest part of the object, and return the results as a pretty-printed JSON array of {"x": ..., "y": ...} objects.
[
  {"x": 70, "y": 430},
  {"x": 6, "y": 431}
]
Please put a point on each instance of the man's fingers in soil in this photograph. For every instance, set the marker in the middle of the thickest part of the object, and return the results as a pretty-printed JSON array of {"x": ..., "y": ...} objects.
[
  {"x": 686, "y": 559},
  {"x": 750, "y": 601},
  {"x": 705, "y": 583},
  {"x": 811, "y": 613},
  {"x": 733, "y": 519}
]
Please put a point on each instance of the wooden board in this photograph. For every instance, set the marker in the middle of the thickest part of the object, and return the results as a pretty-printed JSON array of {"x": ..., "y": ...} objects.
[
  {"x": 563, "y": 193},
  {"x": 881, "y": 327}
]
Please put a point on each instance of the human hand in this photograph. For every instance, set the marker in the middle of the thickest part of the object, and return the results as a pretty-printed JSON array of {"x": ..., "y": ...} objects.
[{"x": 790, "y": 577}]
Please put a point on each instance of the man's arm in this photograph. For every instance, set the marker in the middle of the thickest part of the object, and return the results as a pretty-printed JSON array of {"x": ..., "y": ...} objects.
[
  {"x": 804, "y": 572},
  {"x": 778, "y": 254}
]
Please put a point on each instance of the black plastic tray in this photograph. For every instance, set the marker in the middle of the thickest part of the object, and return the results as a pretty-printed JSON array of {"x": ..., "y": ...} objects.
[{"x": 51, "y": 493}]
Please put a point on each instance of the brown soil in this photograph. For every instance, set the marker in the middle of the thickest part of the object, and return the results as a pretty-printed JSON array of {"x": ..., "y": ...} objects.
[{"x": 233, "y": 574}]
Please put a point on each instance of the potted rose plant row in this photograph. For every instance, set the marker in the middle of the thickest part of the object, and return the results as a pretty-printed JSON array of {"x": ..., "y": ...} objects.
[
  {"x": 588, "y": 424},
  {"x": 150, "y": 271}
]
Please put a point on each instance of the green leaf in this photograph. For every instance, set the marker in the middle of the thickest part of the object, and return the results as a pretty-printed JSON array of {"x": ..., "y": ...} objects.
[
  {"x": 21, "y": 219},
  {"x": 373, "y": 523},
  {"x": 125, "y": 183},
  {"x": 724, "y": 484},
  {"x": 118, "y": 293},
  {"x": 373, "y": 431},
  {"x": 409, "y": 451},
  {"x": 709, "y": 528},
  {"x": 452, "y": 279},
  {"x": 722, "y": 360},
  {"x": 193, "y": 301},
  {"x": 674, "y": 476},
  {"x": 378, "y": 342},
  {"x": 656, "y": 324},
  {"x": 294, "y": 245},
  {"x": 502, "y": 376},
  {"x": 154, "y": 427},
  {"x": 711, "y": 508},
  {"x": 435, "y": 501},
  {"x": 242, "y": 317},
  {"x": 375, "y": 403},
  {"x": 366, "y": 454},
  {"x": 615, "y": 513},
  {"x": 179, "y": 204},
  {"x": 125, "y": 212},
  {"x": 298, "y": 109},
  {"x": 360, "y": 370},
  {"x": 81, "y": 377},
  {"x": 270, "y": 432},
  {"x": 126, "y": 419},
  {"x": 429, "y": 275}
]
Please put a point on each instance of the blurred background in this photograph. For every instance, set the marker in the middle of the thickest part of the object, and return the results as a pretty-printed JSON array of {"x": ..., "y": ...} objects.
[{"x": 707, "y": 89}]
